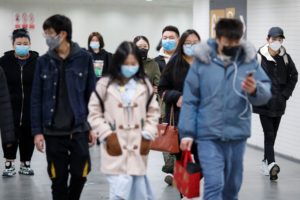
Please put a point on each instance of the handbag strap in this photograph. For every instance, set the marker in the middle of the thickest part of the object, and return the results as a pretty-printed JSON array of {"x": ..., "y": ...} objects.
[{"x": 172, "y": 117}]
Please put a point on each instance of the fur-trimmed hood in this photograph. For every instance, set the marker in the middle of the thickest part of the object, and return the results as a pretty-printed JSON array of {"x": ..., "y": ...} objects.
[
  {"x": 205, "y": 52},
  {"x": 264, "y": 51}
]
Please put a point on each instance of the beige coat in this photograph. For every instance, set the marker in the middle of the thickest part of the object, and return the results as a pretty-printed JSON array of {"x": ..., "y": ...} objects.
[{"x": 126, "y": 151}]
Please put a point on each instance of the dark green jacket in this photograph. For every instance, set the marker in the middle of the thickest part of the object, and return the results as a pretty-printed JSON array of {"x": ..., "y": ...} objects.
[{"x": 152, "y": 71}]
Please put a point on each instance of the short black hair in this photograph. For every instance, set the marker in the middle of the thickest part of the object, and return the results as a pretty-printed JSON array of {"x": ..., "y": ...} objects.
[
  {"x": 20, "y": 33},
  {"x": 229, "y": 28},
  {"x": 59, "y": 23},
  {"x": 141, "y": 37},
  {"x": 171, "y": 28}
]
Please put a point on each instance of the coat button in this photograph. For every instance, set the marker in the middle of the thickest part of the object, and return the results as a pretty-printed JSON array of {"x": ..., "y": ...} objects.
[
  {"x": 54, "y": 83},
  {"x": 45, "y": 76},
  {"x": 52, "y": 110},
  {"x": 54, "y": 97},
  {"x": 135, "y": 147},
  {"x": 80, "y": 74},
  {"x": 124, "y": 147},
  {"x": 49, "y": 123}
]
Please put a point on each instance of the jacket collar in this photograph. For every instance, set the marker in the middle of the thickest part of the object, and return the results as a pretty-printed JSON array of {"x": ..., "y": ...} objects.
[
  {"x": 206, "y": 52},
  {"x": 112, "y": 89},
  {"x": 264, "y": 51},
  {"x": 75, "y": 49}
]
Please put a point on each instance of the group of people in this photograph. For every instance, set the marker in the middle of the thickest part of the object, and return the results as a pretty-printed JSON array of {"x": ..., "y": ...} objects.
[{"x": 71, "y": 98}]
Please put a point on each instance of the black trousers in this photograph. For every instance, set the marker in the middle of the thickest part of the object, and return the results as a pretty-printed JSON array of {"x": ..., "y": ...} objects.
[
  {"x": 25, "y": 143},
  {"x": 68, "y": 155},
  {"x": 270, "y": 127}
]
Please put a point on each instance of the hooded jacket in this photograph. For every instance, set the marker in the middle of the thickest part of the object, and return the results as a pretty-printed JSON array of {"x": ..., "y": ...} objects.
[
  {"x": 19, "y": 80},
  {"x": 214, "y": 104},
  {"x": 284, "y": 76},
  {"x": 79, "y": 84}
]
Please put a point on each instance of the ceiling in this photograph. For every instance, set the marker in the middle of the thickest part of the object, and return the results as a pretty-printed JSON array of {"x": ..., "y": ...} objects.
[{"x": 183, "y": 3}]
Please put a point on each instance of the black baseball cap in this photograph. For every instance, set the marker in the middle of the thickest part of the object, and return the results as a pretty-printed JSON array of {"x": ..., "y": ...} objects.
[{"x": 276, "y": 32}]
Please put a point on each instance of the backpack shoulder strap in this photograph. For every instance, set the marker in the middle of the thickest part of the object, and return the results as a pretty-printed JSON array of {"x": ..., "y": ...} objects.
[{"x": 100, "y": 101}]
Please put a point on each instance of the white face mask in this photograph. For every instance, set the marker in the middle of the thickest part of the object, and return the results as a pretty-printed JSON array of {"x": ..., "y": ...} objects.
[{"x": 275, "y": 46}]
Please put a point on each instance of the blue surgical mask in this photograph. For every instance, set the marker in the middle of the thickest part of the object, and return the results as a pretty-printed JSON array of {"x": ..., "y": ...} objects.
[
  {"x": 94, "y": 45},
  {"x": 168, "y": 45},
  {"x": 129, "y": 71},
  {"x": 22, "y": 50},
  {"x": 188, "y": 49}
]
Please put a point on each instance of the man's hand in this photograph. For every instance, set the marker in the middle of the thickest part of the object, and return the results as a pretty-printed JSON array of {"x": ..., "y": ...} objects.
[
  {"x": 39, "y": 142},
  {"x": 186, "y": 144},
  {"x": 249, "y": 85},
  {"x": 92, "y": 138},
  {"x": 179, "y": 102}
]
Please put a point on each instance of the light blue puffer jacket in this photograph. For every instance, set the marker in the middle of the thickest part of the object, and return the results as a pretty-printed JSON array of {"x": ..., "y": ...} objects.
[{"x": 213, "y": 103}]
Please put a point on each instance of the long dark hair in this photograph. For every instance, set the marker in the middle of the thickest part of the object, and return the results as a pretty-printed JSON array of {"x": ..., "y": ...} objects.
[
  {"x": 121, "y": 54},
  {"x": 175, "y": 65},
  {"x": 141, "y": 37}
]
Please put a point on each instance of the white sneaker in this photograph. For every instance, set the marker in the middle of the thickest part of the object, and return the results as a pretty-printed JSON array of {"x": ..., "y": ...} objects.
[
  {"x": 264, "y": 168},
  {"x": 9, "y": 170},
  {"x": 273, "y": 171}
]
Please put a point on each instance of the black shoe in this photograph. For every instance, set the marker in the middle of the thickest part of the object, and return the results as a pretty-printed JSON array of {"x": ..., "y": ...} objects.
[
  {"x": 274, "y": 171},
  {"x": 169, "y": 179},
  {"x": 167, "y": 169}
]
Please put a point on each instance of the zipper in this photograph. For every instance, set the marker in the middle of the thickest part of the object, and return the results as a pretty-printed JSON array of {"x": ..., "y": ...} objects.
[{"x": 22, "y": 87}]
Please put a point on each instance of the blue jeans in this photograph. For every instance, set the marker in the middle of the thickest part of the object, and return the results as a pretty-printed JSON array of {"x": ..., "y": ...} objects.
[{"x": 222, "y": 166}]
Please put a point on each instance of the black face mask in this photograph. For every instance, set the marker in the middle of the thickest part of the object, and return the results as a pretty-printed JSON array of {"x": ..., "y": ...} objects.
[
  {"x": 144, "y": 53},
  {"x": 230, "y": 51}
]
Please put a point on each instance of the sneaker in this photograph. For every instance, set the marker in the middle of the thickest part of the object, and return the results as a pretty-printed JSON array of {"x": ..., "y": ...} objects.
[
  {"x": 25, "y": 169},
  {"x": 9, "y": 170},
  {"x": 264, "y": 168},
  {"x": 273, "y": 171},
  {"x": 169, "y": 179}
]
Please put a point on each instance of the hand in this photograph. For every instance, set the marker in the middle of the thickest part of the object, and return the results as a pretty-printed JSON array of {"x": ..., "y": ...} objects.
[
  {"x": 92, "y": 138},
  {"x": 186, "y": 144},
  {"x": 39, "y": 141},
  {"x": 155, "y": 89},
  {"x": 249, "y": 85},
  {"x": 179, "y": 102}
]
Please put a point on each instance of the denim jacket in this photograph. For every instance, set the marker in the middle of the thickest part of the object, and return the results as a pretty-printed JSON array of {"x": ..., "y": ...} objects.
[{"x": 80, "y": 81}]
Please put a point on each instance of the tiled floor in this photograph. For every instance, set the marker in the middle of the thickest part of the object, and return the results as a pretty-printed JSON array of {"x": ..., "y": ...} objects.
[{"x": 255, "y": 186}]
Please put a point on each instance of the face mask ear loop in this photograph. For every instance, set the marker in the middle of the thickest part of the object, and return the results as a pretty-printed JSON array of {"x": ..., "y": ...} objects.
[{"x": 248, "y": 105}]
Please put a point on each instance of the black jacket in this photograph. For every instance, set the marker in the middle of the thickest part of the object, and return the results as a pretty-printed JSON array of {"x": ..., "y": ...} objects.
[
  {"x": 284, "y": 76},
  {"x": 160, "y": 60},
  {"x": 106, "y": 57},
  {"x": 171, "y": 85},
  {"x": 6, "y": 116},
  {"x": 19, "y": 80}
]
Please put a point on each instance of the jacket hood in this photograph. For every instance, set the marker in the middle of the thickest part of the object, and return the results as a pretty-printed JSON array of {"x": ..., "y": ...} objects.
[
  {"x": 75, "y": 48},
  {"x": 264, "y": 51},
  {"x": 205, "y": 52}
]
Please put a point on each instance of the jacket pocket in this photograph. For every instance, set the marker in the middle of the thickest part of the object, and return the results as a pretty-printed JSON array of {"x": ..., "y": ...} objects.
[
  {"x": 113, "y": 146},
  {"x": 145, "y": 147},
  {"x": 80, "y": 78}
]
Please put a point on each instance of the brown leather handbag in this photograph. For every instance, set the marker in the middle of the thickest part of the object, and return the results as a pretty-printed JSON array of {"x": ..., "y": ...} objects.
[{"x": 167, "y": 137}]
